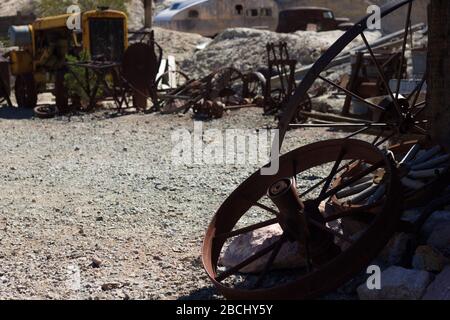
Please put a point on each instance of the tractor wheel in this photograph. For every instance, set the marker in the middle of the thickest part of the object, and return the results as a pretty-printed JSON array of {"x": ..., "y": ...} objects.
[
  {"x": 26, "y": 91},
  {"x": 61, "y": 95}
]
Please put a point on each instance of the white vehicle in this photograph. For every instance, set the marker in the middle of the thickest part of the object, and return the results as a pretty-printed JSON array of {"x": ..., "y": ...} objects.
[{"x": 211, "y": 17}]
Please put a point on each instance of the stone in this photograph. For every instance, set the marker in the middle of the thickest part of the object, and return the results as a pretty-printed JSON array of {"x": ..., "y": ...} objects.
[
  {"x": 439, "y": 289},
  {"x": 440, "y": 238},
  {"x": 428, "y": 259},
  {"x": 110, "y": 286},
  {"x": 437, "y": 218},
  {"x": 246, "y": 245},
  {"x": 398, "y": 283},
  {"x": 96, "y": 262},
  {"x": 397, "y": 250}
]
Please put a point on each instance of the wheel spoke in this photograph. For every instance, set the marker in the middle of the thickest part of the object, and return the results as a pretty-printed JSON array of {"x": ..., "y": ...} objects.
[
  {"x": 249, "y": 260},
  {"x": 350, "y": 181},
  {"x": 381, "y": 74},
  {"x": 405, "y": 40},
  {"x": 248, "y": 229},
  {"x": 354, "y": 95},
  {"x": 334, "y": 170},
  {"x": 260, "y": 205},
  {"x": 417, "y": 90},
  {"x": 379, "y": 143},
  {"x": 357, "y": 132},
  {"x": 270, "y": 262}
]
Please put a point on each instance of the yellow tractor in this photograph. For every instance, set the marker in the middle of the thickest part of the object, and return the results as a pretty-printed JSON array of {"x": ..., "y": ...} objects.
[{"x": 39, "y": 64}]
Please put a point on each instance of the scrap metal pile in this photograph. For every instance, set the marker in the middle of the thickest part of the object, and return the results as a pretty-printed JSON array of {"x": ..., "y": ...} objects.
[{"x": 335, "y": 203}]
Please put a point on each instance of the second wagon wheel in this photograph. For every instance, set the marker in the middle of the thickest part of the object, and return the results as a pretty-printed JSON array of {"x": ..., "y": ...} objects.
[
  {"x": 169, "y": 85},
  {"x": 226, "y": 85},
  {"x": 401, "y": 115},
  {"x": 292, "y": 202}
]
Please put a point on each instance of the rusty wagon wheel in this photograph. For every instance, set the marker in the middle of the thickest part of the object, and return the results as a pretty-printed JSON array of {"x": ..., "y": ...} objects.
[
  {"x": 226, "y": 85},
  {"x": 401, "y": 115},
  {"x": 292, "y": 201},
  {"x": 26, "y": 91},
  {"x": 167, "y": 100},
  {"x": 254, "y": 85},
  {"x": 304, "y": 106}
]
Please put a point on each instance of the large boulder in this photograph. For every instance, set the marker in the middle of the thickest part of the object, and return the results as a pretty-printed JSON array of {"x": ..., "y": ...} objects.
[
  {"x": 437, "y": 218},
  {"x": 428, "y": 259},
  {"x": 244, "y": 246},
  {"x": 397, "y": 250},
  {"x": 439, "y": 289},
  {"x": 440, "y": 238},
  {"x": 245, "y": 49},
  {"x": 398, "y": 283}
]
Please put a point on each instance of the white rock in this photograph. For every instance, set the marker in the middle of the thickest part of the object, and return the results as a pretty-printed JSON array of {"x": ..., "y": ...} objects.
[
  {"x": 244, "y": 246},
  {"x": 396, "y": 249},
  {"x": 398, "y": 283},
  {"x": 437, "y": 218}
]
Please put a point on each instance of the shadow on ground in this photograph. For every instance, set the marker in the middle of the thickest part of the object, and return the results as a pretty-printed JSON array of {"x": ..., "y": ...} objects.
[
  {"x": 208, "y": 293},
  {"x": 13, "y": 113}
]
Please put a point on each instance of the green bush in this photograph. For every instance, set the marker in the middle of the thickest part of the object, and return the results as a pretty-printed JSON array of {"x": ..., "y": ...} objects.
[
  {"x": 47, "y": 8},
  {"x": 70, "y": 79}
]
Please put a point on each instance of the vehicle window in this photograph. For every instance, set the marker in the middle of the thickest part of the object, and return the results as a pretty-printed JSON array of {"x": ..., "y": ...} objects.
[
  {"x": 239, "y": 9},
  {"x": 193, "y": 14},
  {"x": 266, "y": 12},
  {"x": 328, "y": 15},
  {"x": 175, "y": 6},
  {"x": 252, "y": 12}
]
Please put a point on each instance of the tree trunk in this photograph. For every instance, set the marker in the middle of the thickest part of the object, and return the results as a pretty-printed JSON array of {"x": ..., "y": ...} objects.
[{"x": 439, "y": 71}]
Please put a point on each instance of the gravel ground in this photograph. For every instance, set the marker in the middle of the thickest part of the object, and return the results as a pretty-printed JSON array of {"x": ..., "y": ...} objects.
[{"x": 101, "y": 195}]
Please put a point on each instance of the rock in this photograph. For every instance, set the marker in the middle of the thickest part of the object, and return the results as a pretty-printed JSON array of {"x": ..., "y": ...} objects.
[
  {"x": 110, "y": 286},
  {"x": 439, "y": 289},
  {"x": 96, "y": 262},
  {"x": 244, "y": 246},
  {"x": 398, "y": 283},
  {"x": 437, "y": 218},
  {"x": 397, "y": 250},
  {"x": 440, "y": 238},
  {"x": 245, "y": 49},
  {"x": 428, "y": 259}
]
